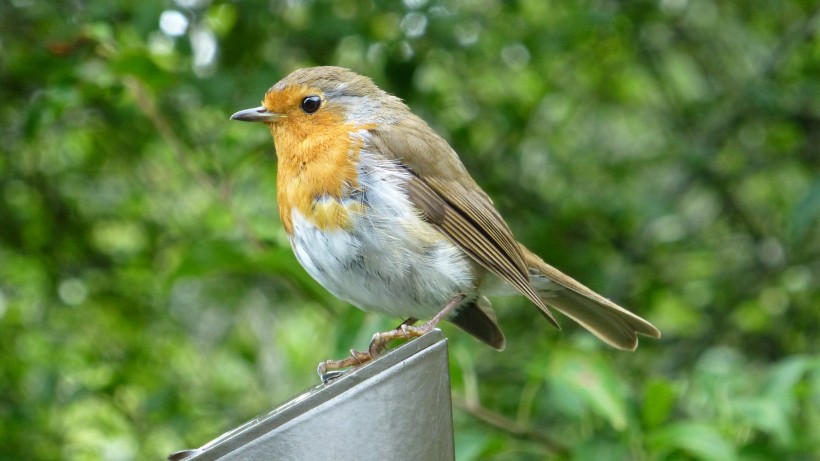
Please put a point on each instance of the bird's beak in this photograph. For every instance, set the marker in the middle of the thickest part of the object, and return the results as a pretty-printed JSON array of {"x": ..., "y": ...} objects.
[{"x": 257, "y": 114}]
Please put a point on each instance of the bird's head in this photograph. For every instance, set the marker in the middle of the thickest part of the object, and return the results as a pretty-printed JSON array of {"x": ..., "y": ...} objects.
[{"x": 313, "y": 98}]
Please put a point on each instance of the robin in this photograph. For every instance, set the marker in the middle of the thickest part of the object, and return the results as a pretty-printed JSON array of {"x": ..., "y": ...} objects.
[{"x": 382, "y": 213}]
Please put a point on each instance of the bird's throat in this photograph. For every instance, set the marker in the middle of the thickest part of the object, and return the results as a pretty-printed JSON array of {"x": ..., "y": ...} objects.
[{"x": 315, "y": 173}]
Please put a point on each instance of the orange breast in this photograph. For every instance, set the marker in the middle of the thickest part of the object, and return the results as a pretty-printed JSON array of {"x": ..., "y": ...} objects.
[{"x": 317, "y": 160}]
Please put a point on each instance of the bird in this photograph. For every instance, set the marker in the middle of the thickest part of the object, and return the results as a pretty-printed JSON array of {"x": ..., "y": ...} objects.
[{"x": 380, "y": 211}]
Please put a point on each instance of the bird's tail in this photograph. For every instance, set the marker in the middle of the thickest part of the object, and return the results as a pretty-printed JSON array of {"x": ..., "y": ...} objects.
[{"x": 611, "y": 323}]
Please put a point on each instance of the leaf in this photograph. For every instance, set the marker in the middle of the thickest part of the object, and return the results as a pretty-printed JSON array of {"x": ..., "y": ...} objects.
[
  {"x": 659, "y": 401},
  {"x": 784, "y": 377},
  {"x": 594, "y": 381},
  {"x": 806, "y": 213},
  {"x": 699, "y": 440},
  {"x": 767, "y": 415},
  {"x": 471, "y": 445},
  {"x": 774, "y": 408},
  {"x": 221, "y": 18}
]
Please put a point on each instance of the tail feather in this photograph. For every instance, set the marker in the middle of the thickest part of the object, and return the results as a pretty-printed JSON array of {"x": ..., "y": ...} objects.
[
  {"x": 611, "y": 323},
  {"x": 478, "y": 319}
]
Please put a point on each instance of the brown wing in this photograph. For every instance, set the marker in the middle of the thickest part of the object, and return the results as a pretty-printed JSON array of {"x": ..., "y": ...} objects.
[{"x": 449, "y": 198}]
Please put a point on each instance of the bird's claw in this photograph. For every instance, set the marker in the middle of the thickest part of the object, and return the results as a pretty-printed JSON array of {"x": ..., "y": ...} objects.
[
  {"x": 332, "y": 369},
  {"x": 328, "y": 376}
]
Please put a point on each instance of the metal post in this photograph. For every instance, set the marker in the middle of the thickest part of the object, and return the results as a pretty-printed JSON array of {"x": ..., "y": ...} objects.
[{"x": 396, "y": 408}]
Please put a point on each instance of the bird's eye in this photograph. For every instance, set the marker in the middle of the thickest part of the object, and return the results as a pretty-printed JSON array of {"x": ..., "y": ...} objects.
[{"x": 311, "y": 104}]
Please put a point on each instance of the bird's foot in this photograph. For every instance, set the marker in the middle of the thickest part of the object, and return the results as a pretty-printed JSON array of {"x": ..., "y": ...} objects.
[
  {"x": 380, "y": 340},
  {"x": 331, "y": 369}
]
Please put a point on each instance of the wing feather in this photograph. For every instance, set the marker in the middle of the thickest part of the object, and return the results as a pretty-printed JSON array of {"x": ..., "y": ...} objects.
[{"x": 450, "y": 200}]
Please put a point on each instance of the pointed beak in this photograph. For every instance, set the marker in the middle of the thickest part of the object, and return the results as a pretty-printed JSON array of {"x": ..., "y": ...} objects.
[{"x": 257, "y": 114}]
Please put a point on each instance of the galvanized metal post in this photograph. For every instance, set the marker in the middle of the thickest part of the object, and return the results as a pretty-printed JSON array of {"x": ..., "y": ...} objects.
[{"x": 396, "y": 408}]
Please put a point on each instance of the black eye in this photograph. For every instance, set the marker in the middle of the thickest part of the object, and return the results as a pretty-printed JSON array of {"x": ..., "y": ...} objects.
[{"x": 311, "y": 104}]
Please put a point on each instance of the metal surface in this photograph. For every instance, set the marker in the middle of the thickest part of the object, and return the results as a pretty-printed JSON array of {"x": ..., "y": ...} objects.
[{"x": 395, "y": 408}]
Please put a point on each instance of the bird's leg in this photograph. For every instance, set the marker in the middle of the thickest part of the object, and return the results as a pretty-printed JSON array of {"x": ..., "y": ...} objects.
[
  {"x": 379, "y": 342},
  {"x": 329, "y": 369},
  {"x": 408, "y": 331}
]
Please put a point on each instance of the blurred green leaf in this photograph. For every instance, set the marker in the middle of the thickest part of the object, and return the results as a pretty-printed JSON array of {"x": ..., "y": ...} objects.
[
  {"x": 784, "y": 377},
  {"x": 699, "y": 440},
  {"x": 659, "y": 401},
  {"x": 594, "y": 381},
  {"x": 767, "y": 416},
  {"x": 470, "y": 446},
  {"x": 806, "y": 214},
  {"x": 221, "y": 18}
]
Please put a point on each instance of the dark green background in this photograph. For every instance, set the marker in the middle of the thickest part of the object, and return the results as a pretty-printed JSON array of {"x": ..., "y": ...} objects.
[{"x": 665, "y": 153}]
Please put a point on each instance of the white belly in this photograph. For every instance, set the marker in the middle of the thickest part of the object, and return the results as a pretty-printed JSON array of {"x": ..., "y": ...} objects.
[{"x": 389, "y": 260}]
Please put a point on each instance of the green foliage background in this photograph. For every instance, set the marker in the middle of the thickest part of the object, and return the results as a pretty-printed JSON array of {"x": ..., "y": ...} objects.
[{"x": 665, "y": 153}]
